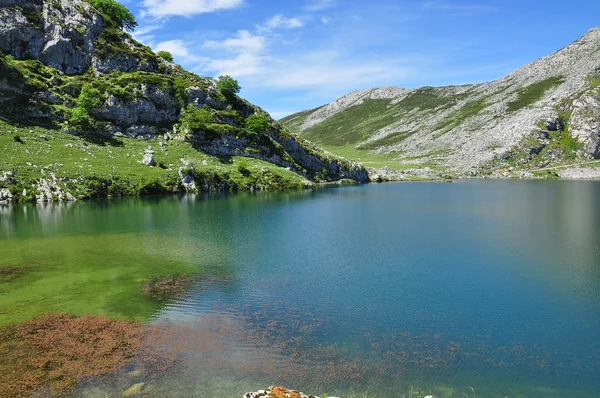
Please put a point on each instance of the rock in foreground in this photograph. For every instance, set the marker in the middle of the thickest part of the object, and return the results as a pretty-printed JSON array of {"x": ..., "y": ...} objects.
[{"x": 277, "y": 392}]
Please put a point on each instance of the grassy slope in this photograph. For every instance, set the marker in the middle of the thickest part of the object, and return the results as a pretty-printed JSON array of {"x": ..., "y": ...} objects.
[
  {"x": 118, "y": 163},
  {"x": 345, "y": 133}
]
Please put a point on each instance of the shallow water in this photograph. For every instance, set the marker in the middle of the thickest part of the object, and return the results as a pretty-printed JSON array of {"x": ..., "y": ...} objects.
[{"x": 493, "y": 285}]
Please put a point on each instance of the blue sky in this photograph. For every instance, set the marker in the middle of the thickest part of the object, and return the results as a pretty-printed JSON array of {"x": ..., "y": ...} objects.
[{"x": 294, "y": 55}]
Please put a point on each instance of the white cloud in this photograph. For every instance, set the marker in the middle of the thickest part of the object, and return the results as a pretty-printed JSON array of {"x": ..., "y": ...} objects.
[
  {"x": 319, "y": 5},
  {"x": 177, "y": 48},
  {"x": 248, "y": 55},
  {"x": 279, "y": 21},
  {"x": 325, "y": 20},
  {"x": 242, "y": 41},
  {"x": 163, "y": 8}
]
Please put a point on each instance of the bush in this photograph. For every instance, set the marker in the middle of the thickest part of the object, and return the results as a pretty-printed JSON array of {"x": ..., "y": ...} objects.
[
  {"x": 195, "y": 119},
  {"x": 115, "y": 13},
  {"x": 87, "y": 101},
  {"x": 89, "y": 98},
  {"x": 167, "y": 56},
  {"x": 80, "y": 117},
  {"x": 257, "y": 123},
  {"x": 227, "y": 85}
]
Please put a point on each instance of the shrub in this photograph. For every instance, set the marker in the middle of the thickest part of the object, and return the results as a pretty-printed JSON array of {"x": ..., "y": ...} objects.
[
  {"x": 257, "y": 123},
  {"x": 89, "y": 98},
  {"x": 115, "y": 13},
  {"x": 194, "y": 118},
  {"x": 227, "y": 85},
  {"x": 80, "y": 117},
  {"x": 167, "y": 56},
  {"x": 87, "y": 101}
]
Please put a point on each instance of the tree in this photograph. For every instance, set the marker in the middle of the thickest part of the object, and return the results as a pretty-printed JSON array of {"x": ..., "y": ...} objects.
[
  {"x": 167, "y": 56},
  {"x": 227, "y": 85},
  {"x": 257, "y": 123},
  {"x": 115, "y": 13}
]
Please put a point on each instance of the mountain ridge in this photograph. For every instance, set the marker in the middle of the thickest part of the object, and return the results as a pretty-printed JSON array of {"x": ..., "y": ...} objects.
[{"x": 464, "y": 128}]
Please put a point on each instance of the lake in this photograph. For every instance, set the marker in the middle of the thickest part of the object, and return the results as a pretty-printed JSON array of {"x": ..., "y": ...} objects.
[{"x": 486, "y": 288}]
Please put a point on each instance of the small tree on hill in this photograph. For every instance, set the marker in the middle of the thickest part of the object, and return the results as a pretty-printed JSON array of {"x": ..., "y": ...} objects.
[
  {"x": 116, "y": 13},
  {"x": 167, "y": 56},
  {"x": 227, "y": 85}
]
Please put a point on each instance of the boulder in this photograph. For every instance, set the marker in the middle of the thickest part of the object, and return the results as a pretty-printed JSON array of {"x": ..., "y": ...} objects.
[
  {"x": 5, "y": 196},
  {"x": 148, "y": 159}
]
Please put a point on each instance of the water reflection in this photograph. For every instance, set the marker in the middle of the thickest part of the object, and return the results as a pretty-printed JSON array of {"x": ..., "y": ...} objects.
[{"x": 372, "y": 288}]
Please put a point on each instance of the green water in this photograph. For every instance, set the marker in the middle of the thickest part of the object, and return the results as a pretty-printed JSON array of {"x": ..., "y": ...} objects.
[{"x": 371, "y": 289}]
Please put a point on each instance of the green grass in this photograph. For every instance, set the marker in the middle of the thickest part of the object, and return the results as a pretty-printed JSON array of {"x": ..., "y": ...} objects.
[
  {"x": 115, "y": 165},
  {"x": 353, "y": 125},
  {"x": 293, "y": 122},
  {"x": 360, "y": 122},
  {"x": 531, "y": 94}
]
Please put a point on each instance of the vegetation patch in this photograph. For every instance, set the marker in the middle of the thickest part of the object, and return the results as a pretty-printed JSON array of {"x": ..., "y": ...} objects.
[
  {"x": 56, "y": 351},
  {"x": 429, "y": 98},
  {"x": 457, "y": 117},
  {"x": 388, "y": 140},
  {"x": 295, "y": 121},
  {"x": 531, "y": 94},
  {"x": 353, "y": 125}
]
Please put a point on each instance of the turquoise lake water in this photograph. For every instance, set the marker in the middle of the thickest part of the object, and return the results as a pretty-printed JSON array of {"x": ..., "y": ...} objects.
[{"x": 354, "y": 291}]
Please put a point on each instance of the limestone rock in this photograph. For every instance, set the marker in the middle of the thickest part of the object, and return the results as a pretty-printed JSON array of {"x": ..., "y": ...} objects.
[
  {"x": 5, "y": 196},
  {"x": 585, "y": 123},
  {"x": 148, "y": 159},
  {"x": 59, "y": 34},
  {"x": 187, "y": 180}
]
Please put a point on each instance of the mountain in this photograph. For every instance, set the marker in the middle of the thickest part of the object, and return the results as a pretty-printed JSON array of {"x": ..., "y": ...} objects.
[
  {"x": 87, "y": 111},
  {"x": 543, "y": 115}
]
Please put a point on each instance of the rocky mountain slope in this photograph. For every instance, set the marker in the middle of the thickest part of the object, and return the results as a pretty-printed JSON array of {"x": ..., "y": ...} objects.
[
  {"x": 542, "y": 115},
  {"x": 71, "y": 76}
]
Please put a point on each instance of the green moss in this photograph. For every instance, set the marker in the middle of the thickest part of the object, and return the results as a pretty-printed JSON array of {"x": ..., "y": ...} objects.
[{"x": 531, "y": 94}]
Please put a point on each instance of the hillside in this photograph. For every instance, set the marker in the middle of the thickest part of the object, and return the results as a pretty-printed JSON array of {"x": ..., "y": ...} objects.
[
  {"x": 537, "y": 118},
  {"x": 86, "y": 111}
]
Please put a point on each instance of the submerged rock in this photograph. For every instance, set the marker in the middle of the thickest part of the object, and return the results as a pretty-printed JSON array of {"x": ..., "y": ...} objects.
[{"x": 135, "y": 389}]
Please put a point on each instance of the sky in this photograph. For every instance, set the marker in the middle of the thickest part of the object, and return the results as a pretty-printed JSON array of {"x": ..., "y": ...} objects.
[{"x": 290, "y": 56}]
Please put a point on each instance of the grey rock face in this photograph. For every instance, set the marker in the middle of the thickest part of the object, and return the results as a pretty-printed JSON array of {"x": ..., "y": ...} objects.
[
  {"x": 59, "y": 34},
  {"x": 585, "y": 123},
  {"x": 155, "y": 107}
]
